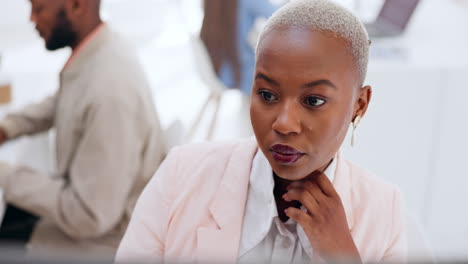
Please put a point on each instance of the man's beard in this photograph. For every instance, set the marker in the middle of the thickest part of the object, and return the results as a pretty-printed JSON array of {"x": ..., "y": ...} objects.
[{"x": 62, "y": 34}]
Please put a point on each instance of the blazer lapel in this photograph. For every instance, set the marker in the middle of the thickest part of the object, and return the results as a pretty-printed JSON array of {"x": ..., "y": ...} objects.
[{"x": 227, "y": 208}]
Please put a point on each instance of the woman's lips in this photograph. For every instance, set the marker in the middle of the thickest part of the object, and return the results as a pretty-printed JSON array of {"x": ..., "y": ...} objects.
[{"x": 285, "y": 155}]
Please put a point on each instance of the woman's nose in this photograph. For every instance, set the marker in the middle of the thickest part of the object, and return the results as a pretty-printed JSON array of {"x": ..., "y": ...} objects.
[{"x": 288, "y": 121}]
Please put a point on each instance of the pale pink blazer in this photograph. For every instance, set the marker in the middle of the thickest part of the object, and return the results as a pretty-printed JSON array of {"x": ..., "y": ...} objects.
[{"x": 193, "y": 208}]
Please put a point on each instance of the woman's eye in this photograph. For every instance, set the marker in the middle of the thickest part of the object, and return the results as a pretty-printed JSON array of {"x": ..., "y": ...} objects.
[
  {"x": 314, "y": 101},
  {"x": 267, "y": 96}
]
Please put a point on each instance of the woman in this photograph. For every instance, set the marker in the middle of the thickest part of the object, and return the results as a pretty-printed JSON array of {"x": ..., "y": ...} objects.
[
  {"x": 225, "y": 33},
  {"x": 288, "y": 196}
]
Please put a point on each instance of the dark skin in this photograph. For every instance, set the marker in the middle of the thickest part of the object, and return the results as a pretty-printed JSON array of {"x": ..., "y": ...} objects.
[
  {"x": 307, "y": 91},
  {"x": 75, "y": 19},
  {"x": 281, "y": 187},
  {"x": 3, "y": 136},
  {"x": 82, "y": 15}
]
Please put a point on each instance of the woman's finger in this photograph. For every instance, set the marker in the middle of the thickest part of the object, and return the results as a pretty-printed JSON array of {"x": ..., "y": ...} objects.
[
  {"x": 304, "y": 197},
  {"x": 326, "y": 185},
  {"x": 299, "y": 216}
]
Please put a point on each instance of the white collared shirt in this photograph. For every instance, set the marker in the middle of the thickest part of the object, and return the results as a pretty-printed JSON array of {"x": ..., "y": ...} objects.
[{"x": 265, "y": 238}]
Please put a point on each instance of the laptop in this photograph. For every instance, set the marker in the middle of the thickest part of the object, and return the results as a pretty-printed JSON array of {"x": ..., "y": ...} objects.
[{"x": 392, "y": 19}]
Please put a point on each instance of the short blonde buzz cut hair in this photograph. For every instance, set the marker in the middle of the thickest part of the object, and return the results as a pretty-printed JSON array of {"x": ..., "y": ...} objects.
[{"x": 329, "y": 17}]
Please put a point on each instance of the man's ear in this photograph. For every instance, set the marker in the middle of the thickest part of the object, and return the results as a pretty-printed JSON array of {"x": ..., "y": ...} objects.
[
  {"x": 363, "y": 100},
  {"x": 75, "y": 8}
]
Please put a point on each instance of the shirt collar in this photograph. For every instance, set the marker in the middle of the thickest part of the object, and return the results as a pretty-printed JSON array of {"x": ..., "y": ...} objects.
[
  {"x": 83, "y": 43},
  {"x": 261, "y": 206}
]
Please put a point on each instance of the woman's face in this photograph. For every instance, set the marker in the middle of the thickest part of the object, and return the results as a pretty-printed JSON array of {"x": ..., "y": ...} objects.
[{"x": 305, "y": 94}]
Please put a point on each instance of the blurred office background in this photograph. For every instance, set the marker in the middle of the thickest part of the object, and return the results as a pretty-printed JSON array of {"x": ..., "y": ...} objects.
[{"x": 414, "y": 135}]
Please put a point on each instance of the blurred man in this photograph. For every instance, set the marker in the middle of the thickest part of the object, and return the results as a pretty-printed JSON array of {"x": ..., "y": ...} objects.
[
  {"x": 225, "y": 32},
  {"x": 109, "y": 141}
]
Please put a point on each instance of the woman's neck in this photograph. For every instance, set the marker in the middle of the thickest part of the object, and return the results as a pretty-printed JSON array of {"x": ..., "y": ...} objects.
[{"x": 279, "y": 190}]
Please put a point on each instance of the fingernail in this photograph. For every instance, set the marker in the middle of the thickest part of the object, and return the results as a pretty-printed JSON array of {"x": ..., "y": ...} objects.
[{"x": 285, "y": 198}]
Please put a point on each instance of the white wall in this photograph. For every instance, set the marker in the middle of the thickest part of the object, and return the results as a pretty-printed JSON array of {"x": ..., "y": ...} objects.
[{"x": 414, "y": 134}]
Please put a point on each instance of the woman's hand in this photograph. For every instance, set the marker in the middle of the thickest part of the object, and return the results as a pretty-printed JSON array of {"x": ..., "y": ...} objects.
[{"x": 325, "y": 220}]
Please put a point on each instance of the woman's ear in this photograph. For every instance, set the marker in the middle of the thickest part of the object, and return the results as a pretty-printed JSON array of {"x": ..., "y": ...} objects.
[{"x": 362, "y": 102}]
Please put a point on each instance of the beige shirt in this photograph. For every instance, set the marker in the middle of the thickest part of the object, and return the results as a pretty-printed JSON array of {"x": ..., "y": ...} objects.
[
  {"x": 109, "y": 143},
  {"x": 265, "y": 238}
]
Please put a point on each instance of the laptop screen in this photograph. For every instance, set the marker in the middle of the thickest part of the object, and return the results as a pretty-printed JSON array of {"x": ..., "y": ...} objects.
[{"x": 397, "y": 12}]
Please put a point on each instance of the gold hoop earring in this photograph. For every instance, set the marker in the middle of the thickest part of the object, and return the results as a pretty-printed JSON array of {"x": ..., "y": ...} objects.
[{"x": 356, "y": 121}]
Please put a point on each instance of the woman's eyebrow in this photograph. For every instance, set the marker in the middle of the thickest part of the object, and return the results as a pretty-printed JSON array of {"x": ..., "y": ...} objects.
[
  {"x": 320, "y": 82},
  {"x": 266, "y": 78}
]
